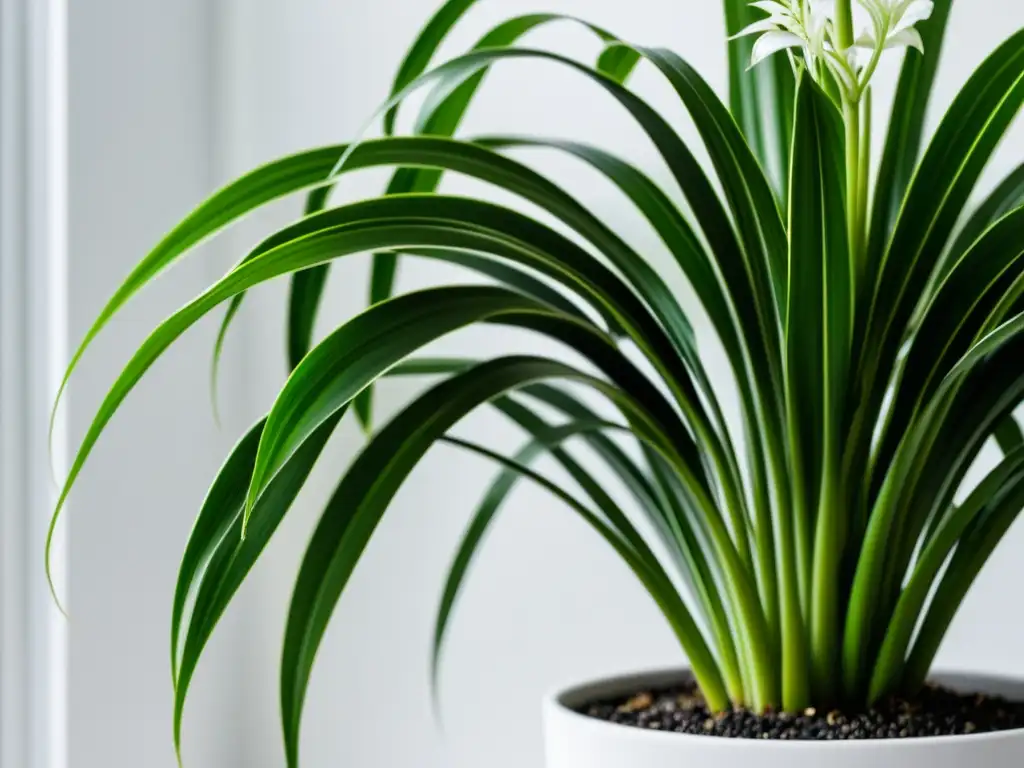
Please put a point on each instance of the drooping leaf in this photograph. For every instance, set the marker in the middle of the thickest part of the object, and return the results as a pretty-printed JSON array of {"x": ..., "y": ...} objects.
[
  {"x": 363, "y": 496},
  {"x": 383, "y": 223},
  {"x": 217, "y": 560},
  {"x": 361, "y": 350},
  {"x": 256, "y": 188},
  {"x": 446, "y": 106}
]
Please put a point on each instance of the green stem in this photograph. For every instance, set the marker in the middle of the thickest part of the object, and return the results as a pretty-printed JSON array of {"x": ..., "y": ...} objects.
[
  {"x": 795, "y": 681},
  {"x": 750, "y": 617},
  {"x": 825, "y": 640},
  {"x": 863, "y": 182},
  {"x": 844, "y": 24},
  {"x": 851, "y": 115}
]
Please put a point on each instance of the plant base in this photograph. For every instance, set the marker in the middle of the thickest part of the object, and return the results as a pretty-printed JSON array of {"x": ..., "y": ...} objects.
[
  {"x": 937, "y": 711},
  {"x": 966, "y": 720}
]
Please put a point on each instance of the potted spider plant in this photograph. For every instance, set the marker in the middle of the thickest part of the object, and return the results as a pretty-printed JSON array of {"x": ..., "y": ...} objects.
[{"x": 811, "y": 557}]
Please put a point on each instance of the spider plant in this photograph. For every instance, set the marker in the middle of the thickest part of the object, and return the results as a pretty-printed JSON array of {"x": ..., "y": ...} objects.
[{"x": 815, "y": 553}]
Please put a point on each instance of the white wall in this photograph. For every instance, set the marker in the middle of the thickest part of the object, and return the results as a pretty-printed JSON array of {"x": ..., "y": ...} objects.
[
  {"x": 547, "y": 602},
  {"x": 141, "y": 136}
]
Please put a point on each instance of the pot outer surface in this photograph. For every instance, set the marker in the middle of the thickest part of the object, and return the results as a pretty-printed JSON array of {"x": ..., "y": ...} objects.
[{"x": 573, "y": 740}]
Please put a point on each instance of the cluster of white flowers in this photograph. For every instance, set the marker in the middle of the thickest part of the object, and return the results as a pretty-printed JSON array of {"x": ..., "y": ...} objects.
[{"x": 810, "y": 26}]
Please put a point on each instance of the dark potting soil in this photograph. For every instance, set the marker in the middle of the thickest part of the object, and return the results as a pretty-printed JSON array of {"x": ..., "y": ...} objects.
[{"x": 935, "y": 712}]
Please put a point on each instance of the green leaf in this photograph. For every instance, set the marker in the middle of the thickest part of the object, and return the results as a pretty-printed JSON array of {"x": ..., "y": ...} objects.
[
  {"x": 546, "y": 441},
  {"x": 980, "y": 391},
  {"x": 818, "y": 338},
  {"x": 447, "y": 105},
  {"x": 423, "y": 49},
  {"x": 487, "y": 165},
  {"x": 1009, "y": 194},
  {"x": 360, "y": 351},
  {"x": 442, "y": 115},
  {"x": 969, "y": 300},
  {"x": 666, "y": 510},
  {"x": 213, "y": 522},
  {"x": 1009, "y": 435},
  {"x": 750, "y": 197},
  {"x": 307, "y": 287},
  {"x": 889, "y": 667},
  {"x": 962, "y": 146},
  {"x": 383, "y": 223},
  {"x": 365, "y": 493},
  {"x": 984, "y": 535},
  {"x": 356, "y": 354},
  {"x": 906, "y": 128},
  {"x": 256, "y": 188},
  {"x": 761, "y": 99},
  {"x": 217, "y": 560},
  {"x": 643, "y": 564},
  {"x": 686, "y": 170}
]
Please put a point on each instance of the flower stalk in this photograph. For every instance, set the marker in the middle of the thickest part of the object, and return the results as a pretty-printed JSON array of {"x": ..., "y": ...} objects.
[{"x": 844, "y": 24}]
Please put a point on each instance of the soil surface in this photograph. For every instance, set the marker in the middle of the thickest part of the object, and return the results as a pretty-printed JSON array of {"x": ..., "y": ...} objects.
[{"x": 935, "y": 712}]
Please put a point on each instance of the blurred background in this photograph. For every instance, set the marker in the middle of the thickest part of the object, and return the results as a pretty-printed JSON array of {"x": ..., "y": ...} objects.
[{"x": 168, "y": 100}]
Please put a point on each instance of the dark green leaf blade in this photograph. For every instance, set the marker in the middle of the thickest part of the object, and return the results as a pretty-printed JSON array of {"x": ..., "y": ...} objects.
[
  {"x": 761, "y": 98},
  {"x": 903, "y": 142},
  {"x": 263, "y": 185},
  {"x": 1009, "y": 194},
  {"x": 217, "y": 559},
  {"x": 972, "y": 297},
  {"x": 962, "y": 146},
  {"x": 362, "y": 498},
  {"x": 423, "y": 49},
  {"x": 818, "y": 340}
]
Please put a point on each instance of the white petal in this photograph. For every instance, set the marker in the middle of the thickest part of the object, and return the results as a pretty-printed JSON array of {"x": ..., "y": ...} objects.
[
  {"x": 873, "y": 9},
  {"x": 765, "y": 25},
  {"x": 859, "y": 55},
  {"x": 773, "y": 42},
  {"x": 917, "y": 11},
  {"x": 841, "y": 74},
  {"x": 773, "y": 7},
  {"x": 908, "y": 38},
  {"x": 866, "y": 40}
]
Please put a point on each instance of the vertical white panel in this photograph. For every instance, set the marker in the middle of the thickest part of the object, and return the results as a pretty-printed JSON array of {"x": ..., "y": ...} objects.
[{"x": 32, "y": 351}]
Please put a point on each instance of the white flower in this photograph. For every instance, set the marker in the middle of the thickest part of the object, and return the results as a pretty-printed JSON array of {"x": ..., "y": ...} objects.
[
  {"x": 790, "y": 24},
  {"x": 891, "y": 26},
  {"x": 810, "y": 25}
]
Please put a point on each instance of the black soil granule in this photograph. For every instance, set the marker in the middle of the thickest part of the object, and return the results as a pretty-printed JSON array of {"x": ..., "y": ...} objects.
[{"x": 935, "y": 712}]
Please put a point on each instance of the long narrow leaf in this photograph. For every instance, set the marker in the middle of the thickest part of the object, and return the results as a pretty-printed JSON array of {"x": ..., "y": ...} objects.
[
  {"x": 216, "y": 542},
  {"x": 818, "y": 333},
  {"x": 362, "y": 498},
  {"x": 374, "y": 224},
  {"x": 888, "y": 668},
  {"x": 906, "y": 129},
  {"x": 760, "y": 98},
  {"x": 445, "y": 108}
]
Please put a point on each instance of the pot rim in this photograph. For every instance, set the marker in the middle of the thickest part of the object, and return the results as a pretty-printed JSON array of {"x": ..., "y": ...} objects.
[{"x": 559, "y": 703}]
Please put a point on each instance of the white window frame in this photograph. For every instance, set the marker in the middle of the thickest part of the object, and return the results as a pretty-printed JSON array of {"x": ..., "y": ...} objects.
[{"x": 33, "y": 351}]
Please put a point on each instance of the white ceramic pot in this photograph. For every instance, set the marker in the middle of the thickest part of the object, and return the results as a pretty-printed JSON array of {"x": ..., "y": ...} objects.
[{"x": 573, "y": 740}]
